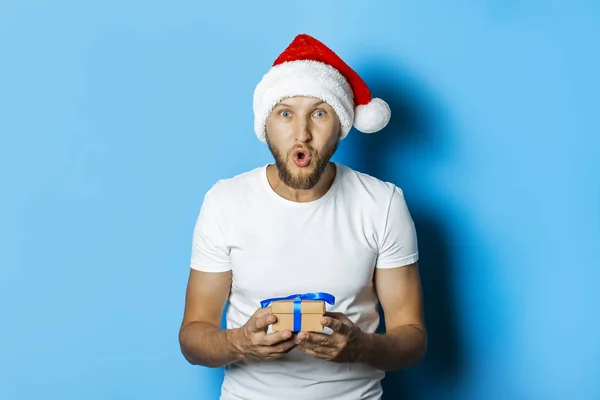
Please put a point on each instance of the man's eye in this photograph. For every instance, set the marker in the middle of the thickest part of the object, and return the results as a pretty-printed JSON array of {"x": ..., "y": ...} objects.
[
  {"x": 285, "y": 113},
  {"x": 320, "y": 113}
]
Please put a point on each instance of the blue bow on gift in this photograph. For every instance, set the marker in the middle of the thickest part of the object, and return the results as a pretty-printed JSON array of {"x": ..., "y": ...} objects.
[{"x": 326, "y": 297}]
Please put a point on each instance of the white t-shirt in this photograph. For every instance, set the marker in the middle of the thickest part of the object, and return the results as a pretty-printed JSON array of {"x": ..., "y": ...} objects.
[{"x": 277, "y": 247}]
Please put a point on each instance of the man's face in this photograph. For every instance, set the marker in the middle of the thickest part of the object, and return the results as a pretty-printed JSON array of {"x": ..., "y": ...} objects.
[{"x": 302, "y": 134}]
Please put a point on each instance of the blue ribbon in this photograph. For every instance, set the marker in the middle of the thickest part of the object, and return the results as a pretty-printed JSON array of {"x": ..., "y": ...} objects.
[{"x": 326, "y": 297}]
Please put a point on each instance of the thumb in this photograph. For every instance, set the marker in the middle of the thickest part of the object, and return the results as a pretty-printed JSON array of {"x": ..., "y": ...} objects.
[
  {"x": 262, "y": 319},
  {"x": 262, "y": 311}
]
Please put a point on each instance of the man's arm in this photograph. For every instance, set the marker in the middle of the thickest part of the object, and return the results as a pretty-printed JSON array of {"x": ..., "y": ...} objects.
[
  {"x": 404, "y": 343},
  {"x": 204, "y": 343},
  {"x": 200, "y": 337}
]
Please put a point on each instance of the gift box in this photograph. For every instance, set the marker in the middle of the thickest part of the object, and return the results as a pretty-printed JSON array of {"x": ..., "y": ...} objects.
[
  {"x": 299, "y": 312},
  {"x": 310, "y": 319}
]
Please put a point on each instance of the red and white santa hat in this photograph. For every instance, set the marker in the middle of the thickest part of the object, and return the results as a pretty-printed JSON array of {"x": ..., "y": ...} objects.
[{"x": 309, "y": 68}]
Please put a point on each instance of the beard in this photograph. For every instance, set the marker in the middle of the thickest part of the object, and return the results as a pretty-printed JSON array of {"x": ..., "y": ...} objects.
[{"x": 302, "y": 181}]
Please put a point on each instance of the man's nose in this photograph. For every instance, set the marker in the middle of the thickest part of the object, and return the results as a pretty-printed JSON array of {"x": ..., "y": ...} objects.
[{"x": 303, "y": 130}]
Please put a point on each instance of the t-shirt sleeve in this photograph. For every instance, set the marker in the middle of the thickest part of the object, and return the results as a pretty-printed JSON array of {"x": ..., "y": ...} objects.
[
  {"x": 210, "y": 252},
  {"x": 398, "y": 244}
]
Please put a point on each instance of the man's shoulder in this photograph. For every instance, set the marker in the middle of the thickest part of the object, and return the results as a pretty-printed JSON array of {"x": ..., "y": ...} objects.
[{"x": 363, "y": 183}]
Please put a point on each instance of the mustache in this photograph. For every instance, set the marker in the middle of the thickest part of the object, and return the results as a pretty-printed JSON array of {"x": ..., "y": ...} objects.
[{"x": 305, "y": 148}]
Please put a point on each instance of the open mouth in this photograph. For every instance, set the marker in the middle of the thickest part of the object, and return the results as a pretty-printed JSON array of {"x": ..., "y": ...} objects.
[{"x": 301, "y": 157}]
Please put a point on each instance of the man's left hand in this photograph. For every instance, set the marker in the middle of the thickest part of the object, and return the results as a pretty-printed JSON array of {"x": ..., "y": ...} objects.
[{"x": 343, "y": 345}]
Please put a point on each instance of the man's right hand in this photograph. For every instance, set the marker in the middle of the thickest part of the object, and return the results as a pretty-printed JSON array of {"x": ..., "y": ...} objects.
[{"x": 253, "y": 341}]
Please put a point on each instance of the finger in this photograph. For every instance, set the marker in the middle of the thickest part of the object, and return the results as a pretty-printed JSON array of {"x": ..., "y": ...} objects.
[
  {"x": 339, "y": 316},
  {"x": 262, "y": 322},
  {"x": 274, "y": 338},
  {"x": 262, "y": 312},
  {"x": 277, "y": 350},
  {"x": 316, "y": 338},
  {"x": 256, "y": 317},
  {"x": 335, "y": 325},
  {"x": 322, "y": 353},
  {"x": 285, "y": 347}
]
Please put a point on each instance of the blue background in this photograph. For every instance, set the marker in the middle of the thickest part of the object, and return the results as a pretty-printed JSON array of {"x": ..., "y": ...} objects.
[{"x": 116, "y": 117}]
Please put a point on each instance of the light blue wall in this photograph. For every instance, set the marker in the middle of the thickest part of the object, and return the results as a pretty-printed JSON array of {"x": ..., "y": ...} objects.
[{"x": 116, "y": 117}]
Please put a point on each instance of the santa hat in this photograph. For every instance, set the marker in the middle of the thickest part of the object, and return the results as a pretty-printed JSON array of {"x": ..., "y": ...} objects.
[{"x": 309, "y": 68}]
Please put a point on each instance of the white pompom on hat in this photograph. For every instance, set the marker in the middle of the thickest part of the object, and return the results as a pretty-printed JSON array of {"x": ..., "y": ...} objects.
[{"x": 309, "y": 68}]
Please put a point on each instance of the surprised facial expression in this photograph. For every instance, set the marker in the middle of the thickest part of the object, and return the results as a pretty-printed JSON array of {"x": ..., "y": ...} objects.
[{"x": 302, "y": 134}]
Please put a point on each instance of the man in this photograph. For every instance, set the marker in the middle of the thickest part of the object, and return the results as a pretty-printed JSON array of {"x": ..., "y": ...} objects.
[{"x": 305, "y": 224}]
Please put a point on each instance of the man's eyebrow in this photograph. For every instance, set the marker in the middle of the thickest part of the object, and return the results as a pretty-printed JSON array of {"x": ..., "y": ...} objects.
[{"x": 288, "y": 105}]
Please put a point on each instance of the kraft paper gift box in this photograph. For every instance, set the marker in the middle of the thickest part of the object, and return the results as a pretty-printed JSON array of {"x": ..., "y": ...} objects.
[
  {"x": 310, "y": 321},
  {"x": 299, "y": 312}
]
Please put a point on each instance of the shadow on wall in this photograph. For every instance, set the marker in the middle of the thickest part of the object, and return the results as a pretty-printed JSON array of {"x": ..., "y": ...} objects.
[{"x": 399, "y": 154}]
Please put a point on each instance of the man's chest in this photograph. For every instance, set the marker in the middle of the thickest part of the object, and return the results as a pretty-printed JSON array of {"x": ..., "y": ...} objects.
[{"x": 328, "y": 252}]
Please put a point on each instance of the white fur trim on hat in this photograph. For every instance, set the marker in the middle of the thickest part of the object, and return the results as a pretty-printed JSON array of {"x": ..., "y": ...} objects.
[{"x": 303, "y": 78}]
